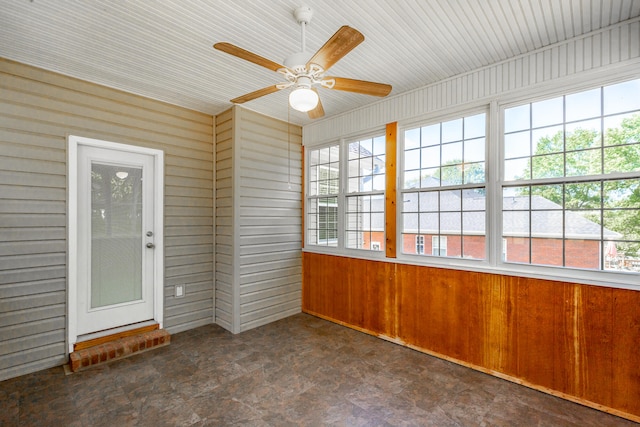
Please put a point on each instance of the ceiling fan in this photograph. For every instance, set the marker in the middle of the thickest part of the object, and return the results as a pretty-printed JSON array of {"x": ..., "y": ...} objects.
[{"x": 303, "y": 75}]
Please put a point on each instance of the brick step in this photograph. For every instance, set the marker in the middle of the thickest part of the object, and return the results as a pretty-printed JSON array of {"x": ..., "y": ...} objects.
[{"x": 118, "y": 349}]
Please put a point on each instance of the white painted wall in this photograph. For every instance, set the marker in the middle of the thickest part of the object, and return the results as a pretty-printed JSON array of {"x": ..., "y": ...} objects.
[{"x": 258, "y": 220}]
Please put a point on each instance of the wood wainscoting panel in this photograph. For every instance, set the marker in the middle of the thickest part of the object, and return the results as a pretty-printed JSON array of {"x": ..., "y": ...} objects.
[
  {"x": 325, "y": 287},
  {"x": 361, "y": 295},
  {"x": 377, "y": 312},
  {"x": 574, "y": 341},
  {"x": 444, "y": 308},
  {"x": 409, "y": 311},
  {"x": 625, "y": 362},
  {"x": 595, "y": 332},
  {"x": 535, "y": 306},
  {"x": 496, "y": 322}
]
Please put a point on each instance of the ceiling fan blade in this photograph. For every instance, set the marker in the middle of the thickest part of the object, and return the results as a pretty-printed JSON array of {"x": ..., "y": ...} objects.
[
  {"x": 341, "y": 43},
  {"x": 256, "y": 94},
  {"x": 360, "y": 86},
  {"x": 248, "y": 56},
  {"x": 317, "y": 112}
]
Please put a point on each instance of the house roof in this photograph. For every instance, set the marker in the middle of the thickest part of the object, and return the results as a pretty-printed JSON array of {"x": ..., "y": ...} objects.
[
  {"x": 163, "y": 49},
  {"x": 546, "y": 216}
]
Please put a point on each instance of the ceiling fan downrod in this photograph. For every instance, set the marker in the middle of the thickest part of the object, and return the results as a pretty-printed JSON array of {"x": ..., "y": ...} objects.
[
  {"x": 303, "y": 16},
  {"x": 296, "y": 63}
]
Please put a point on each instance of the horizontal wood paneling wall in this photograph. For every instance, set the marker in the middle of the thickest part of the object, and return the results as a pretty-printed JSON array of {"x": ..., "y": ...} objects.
[
  {"x": 38, "y": 109},
  {"x": 224, "y": 220},
  {"x": 575, "y": 341},
  {"x": 258, "y": 219},
  {"x": 600, "y": 51},
  {"x": 269, "y": 219}
]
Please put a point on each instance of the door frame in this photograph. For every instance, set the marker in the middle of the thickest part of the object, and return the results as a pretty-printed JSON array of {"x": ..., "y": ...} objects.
[{"x": 72, "y": 227}]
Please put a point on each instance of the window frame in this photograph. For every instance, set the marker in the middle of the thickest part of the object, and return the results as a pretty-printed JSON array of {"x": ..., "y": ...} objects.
[
  {"x": 346, "y": 195},
  {"x": 610, "y": 278},
  {"x": 428, "y": 258},
  {"x": 308, "y": 198},
  {"x": 494, "y": 182},
  {"x": 340, "y": 248},
  {"x": 607, "y": 278}
]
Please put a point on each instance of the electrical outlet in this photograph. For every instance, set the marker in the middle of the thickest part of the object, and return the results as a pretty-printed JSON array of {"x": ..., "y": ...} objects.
[{"x": 179, "y": 292}]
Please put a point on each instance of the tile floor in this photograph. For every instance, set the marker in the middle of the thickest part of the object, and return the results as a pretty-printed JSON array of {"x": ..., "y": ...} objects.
[{"x": 298, "y": 371}]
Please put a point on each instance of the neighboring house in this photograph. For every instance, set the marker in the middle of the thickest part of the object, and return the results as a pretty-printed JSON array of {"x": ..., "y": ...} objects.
[{"x": 447, "y": 234}]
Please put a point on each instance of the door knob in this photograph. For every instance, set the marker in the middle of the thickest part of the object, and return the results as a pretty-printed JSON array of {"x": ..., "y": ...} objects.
[{"x": 151, "y": 245}]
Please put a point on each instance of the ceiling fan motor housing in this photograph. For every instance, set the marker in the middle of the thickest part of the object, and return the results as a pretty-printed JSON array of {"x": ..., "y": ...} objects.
[
  {"x": 297, "y": 62},
  {"x": 303, "y": 82}
]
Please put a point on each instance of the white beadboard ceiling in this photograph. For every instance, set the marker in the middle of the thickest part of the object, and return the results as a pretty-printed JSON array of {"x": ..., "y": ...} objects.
[{"x": 162, "y": 49}]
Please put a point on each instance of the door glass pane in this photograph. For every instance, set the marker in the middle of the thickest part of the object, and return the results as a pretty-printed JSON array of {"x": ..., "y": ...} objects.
[{"x": 116, "y": 234}]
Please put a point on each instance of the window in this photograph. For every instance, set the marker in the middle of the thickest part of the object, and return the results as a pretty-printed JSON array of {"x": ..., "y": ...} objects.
[
  {"x": 563, "y": 200},
  {"x": 504, "y": 250},
  {"x": 322, "y": 207},
  {"x": 571, "y": 189},
  {"x": 361, "y": 203},
  {"x": 443, "y": 190},
  {"x": 419, "y": 245},
  {"x": 365, "y": 194},
  {"x": 439, "y": 245}
]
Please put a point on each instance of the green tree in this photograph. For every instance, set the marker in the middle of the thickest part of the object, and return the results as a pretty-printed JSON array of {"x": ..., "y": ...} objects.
[
  {"x": 457, "y": 173},
  {"x": 584, "y": 152}
]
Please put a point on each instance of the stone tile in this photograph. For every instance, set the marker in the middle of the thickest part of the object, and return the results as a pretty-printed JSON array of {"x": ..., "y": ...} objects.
[
  {"x": 9, "y": 415},
  {"x": 298, "y": 371}
]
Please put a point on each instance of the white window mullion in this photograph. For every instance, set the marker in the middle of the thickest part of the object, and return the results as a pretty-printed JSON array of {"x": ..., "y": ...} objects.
[
  {"x": 342, "y": 199},
  {"x": 494, "y": 176}
]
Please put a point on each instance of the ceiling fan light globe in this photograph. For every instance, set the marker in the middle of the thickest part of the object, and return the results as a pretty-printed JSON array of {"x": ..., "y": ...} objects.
[{"x": 303, "y": 99}]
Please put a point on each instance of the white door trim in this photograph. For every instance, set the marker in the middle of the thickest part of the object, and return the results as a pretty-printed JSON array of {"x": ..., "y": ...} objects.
[{"x": 72, "y": 231}]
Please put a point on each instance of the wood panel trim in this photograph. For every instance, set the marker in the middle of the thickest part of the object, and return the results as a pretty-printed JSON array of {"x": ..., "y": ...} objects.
[
  {"x": 303, "y": 199},
  {"x": 390, "y": 189}
]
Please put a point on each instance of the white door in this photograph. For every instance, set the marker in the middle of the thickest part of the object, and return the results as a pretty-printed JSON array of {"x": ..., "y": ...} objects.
[{"x": 116, "y": 238}]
